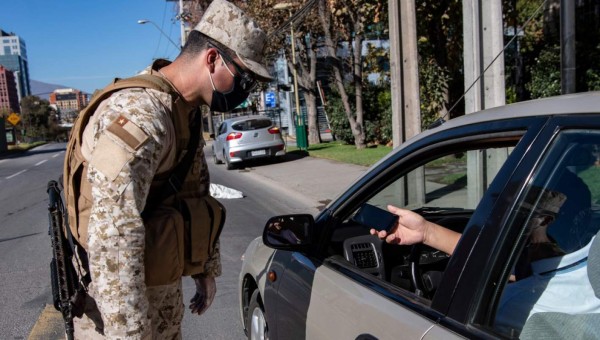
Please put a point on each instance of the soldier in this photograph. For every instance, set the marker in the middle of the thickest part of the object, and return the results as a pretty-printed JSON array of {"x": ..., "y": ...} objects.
[{"x": 133, "y": 137}]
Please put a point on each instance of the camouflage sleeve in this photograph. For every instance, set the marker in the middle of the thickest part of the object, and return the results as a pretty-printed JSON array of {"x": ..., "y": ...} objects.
[
  {"x": 128, "y": 143},
  {"x": 212, "y": 267}
]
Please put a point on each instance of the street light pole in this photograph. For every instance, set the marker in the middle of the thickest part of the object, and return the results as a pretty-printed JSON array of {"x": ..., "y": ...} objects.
[{"x": 144, "y": 21}]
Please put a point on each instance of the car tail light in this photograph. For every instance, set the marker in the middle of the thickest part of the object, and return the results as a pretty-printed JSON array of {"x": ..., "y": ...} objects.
[
  {"x": 274, "y": 130},
  {"x": 234, "y": 135}
]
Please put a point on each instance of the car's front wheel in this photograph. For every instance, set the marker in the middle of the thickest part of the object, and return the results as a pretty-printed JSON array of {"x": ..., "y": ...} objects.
[{"x": 256, "y": 322}]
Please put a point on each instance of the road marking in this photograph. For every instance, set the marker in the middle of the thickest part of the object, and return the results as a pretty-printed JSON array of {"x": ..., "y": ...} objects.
[
  {"x": 56, "y": 154},
  {"x": 17, "y": 174},
  {"x": 41, "y": 162},
  {"x": 49, "y": 326}
]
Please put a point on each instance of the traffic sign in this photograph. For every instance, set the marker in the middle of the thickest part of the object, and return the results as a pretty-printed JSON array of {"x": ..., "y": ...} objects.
[
  {"x": 270, "y": 99},
  {"x": 13, "y": 118}
]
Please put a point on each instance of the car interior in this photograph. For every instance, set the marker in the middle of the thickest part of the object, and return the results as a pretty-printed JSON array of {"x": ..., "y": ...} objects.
[{"x": 415, "y": 268}]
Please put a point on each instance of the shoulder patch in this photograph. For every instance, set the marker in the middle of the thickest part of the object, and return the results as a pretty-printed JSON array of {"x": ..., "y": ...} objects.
[{"x": 128, "y": 132}]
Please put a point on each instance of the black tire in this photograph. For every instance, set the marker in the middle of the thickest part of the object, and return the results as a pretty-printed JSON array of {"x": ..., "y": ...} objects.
[
  {"x": 256, "y": 323},
  {"x": 215, "y": 159}
]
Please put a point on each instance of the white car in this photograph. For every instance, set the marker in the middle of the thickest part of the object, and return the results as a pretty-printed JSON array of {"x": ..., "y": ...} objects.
[
  {"x": 245, "y": 138},
  {"x": 481, "y": 175}
]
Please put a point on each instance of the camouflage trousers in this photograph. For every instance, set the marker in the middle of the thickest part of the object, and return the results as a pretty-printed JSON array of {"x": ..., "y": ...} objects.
[{"x": 165, "y": 312}]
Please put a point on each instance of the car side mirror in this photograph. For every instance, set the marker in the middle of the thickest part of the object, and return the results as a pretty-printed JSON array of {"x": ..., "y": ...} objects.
[{"x": 288, "y": 231}]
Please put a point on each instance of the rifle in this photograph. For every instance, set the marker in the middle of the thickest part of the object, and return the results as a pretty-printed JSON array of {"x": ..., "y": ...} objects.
[{"x": 67, "y": 292}]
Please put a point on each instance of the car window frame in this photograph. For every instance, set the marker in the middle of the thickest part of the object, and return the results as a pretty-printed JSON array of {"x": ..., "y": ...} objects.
[
  {"x": 422, "y": 152},
  {"x": 474, "y": 293}
]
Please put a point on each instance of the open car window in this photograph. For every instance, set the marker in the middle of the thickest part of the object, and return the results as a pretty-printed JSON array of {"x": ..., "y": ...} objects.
[{"x": 444, "y": 190}]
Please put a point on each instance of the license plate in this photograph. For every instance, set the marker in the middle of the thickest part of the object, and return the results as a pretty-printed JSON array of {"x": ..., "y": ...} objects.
[{"x": 258, "y": 152}]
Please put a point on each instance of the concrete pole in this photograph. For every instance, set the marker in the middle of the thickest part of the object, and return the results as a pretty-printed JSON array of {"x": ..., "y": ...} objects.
[
  {"x": 567, "y": 47},
  {"x": 182, "y": 23},
  {"x": 411, "y": 110},
  {"x": 484, "y": 79},
  {"x": 396, "y": 72}
]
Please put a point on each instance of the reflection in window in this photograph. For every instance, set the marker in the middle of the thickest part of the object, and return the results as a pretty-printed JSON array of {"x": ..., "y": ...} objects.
[{"x": 559, "y": 219}]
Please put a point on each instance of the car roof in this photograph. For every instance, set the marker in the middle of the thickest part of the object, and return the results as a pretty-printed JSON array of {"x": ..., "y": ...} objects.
[
  {"x": 585, "y": 102},
  {"x": 240, "y": 118}
]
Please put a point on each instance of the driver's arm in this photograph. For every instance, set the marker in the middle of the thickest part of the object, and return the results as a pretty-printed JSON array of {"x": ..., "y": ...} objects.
[{"x": 413, "y": 228}]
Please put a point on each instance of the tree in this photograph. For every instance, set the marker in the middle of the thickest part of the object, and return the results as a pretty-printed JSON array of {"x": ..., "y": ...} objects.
[
  {"x": 36, "y": 115},
  {"x": 344, "y": 24}
]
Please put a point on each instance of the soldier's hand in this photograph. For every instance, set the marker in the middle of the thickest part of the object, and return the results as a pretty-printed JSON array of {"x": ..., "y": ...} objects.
[{"x": 206, "y": 288}]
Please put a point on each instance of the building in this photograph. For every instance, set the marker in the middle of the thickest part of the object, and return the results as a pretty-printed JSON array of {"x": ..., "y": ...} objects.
[
  {"x": 69, "y": 100},
  {"x": 13, "y": 56},
  {"x": 9, "y": 99}
]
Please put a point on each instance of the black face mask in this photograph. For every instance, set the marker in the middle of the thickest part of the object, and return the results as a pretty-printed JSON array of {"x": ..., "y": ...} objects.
[{"x": 227, "y": 101}]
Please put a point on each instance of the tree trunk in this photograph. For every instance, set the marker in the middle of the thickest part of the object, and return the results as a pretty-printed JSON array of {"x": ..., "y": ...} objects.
[
  {"x": 357, "y": 129},
  {"x": 314, "y": 135},
  {"x": 359, "y": 139}
]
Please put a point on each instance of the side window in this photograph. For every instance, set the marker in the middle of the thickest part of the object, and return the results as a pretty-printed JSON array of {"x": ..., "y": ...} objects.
[
  {"x": 445, "y": 182},
  {"x": 222, "y": 128},
  {"x": 557, "y": 219},
  {"x": 443, "y": 190}
]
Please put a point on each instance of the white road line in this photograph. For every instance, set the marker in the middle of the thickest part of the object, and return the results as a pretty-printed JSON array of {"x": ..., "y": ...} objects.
[
  {"x": 56, "y": 154},
  {"x": 41, "y": 162},
  {"x": 17, "y": 174}
]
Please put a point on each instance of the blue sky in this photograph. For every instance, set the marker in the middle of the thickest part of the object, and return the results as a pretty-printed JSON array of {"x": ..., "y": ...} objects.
[{"x": 84, "y": 44}]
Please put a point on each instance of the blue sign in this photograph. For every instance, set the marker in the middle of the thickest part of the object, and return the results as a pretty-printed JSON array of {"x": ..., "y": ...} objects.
[{"x": 270, "y": 99}]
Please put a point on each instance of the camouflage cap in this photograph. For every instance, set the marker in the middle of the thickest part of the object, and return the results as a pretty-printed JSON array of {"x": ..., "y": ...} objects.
[{"x": 229, "y": 25}]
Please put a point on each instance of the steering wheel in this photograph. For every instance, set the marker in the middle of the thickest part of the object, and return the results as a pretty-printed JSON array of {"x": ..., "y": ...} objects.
[{"x": 416, "y": 277}]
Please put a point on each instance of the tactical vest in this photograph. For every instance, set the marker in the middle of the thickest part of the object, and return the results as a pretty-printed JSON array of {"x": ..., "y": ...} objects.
[{"x": 181, "y": 230}]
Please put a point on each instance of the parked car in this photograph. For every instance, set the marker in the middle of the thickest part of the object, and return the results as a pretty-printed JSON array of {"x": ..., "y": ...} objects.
[
  {"x": 482, "y": 175},
  {"x": 244, "y": 138}
]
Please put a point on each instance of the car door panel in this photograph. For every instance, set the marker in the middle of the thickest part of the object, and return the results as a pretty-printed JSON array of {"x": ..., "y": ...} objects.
[
  {"x": 438, "y": 332},
  {"x": 293, "y": 286},
  {"x": 341, "y": 308}
]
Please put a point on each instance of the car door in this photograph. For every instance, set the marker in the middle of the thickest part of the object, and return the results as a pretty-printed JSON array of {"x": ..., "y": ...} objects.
[
  {"x": 331, "y": 293},
  {"x": 563, "y": 160},
  {"x": 220, "y": 140}
]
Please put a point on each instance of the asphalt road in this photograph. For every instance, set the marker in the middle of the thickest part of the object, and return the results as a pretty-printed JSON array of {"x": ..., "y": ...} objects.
[{"x": 25, "y": 246}]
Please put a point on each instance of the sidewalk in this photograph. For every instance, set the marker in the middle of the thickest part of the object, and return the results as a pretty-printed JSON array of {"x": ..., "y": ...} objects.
[{"x": 313, "y": 181}]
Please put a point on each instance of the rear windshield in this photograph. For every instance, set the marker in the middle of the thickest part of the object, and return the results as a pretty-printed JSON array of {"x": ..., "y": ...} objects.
[{"x": 251, "y": 124}]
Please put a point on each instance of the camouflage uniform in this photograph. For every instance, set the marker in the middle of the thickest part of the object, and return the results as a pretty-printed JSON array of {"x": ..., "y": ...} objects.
[{"x": 120, "y": 172}]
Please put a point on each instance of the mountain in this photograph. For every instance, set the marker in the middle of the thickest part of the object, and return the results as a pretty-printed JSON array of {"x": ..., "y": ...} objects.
[{"x": 43, "y": 90}]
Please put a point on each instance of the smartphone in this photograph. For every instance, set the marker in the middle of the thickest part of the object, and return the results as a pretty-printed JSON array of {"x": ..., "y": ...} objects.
[{"x": 376, "y": 218}]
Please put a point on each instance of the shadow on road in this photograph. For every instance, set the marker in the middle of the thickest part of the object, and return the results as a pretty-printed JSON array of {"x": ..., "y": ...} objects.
[
  {"x": 23, "y": 153},
  {"x": 289, "y": 157}
]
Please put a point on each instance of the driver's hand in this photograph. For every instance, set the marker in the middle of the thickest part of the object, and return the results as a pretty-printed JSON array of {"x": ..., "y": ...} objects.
[
  {"x": 206, "y": 288},
  {"x": 411, "y": 228}
]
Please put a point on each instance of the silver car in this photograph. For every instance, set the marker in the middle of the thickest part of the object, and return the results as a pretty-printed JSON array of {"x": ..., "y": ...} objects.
[
  {"x": 496, "y": 177},
  {"x": 244, "y": 138}
]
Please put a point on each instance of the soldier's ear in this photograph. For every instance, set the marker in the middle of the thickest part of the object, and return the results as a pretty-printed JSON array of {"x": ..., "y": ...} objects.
[{"x": 211, "y": 58}]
